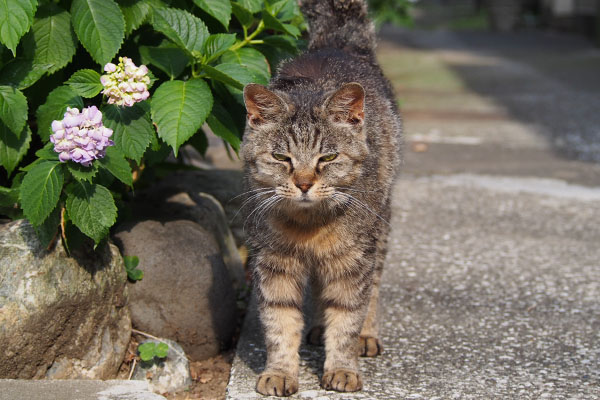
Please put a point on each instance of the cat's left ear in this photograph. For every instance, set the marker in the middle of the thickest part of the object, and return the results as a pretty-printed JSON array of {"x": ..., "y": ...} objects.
[{"x": 347, "y": 105}]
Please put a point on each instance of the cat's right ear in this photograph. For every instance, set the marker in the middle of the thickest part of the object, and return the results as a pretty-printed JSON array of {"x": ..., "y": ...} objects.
[{"x": 262, "y": 105}]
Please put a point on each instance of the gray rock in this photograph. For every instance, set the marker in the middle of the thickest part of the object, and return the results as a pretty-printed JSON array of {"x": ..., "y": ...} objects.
[
  {"x": 186, "y": 294},
  {"x": 168, "y": 375},
  {"x": 60, "y": 316},
  {"x": 167, "y": 203},
  {"x": 223, "y": 185}
]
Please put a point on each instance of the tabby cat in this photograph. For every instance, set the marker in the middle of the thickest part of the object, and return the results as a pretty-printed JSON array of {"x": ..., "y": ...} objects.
[{"x": 321, "y": 150}]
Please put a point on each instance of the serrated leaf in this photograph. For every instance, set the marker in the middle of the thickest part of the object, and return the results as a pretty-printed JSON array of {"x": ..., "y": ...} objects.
[
  {"x": 223, "y": 74},
  {"x": 21, "y": 73},
  {"x": 252, "y": 5},
  {"x": 47, "y": 153},
  {"x": 217, "y": 44},
  {"x": 162, "y": 349},
  {"x": 54, "y": 109},
  {"x": 51, "y": 40},
  {"x": 40, "y": 190},
  {"x": 115, "y": 162},
  {"x": 85, "y": 83},
  {"x": 285, "y": 42},
  {"x": 179, "y": 109},
  {"x": 13, "y": 108},
  {"x": 170, "y": 60},
  {"x": 135, "y": 13},
  {"x": 218, "y": 9},
  {"x": 91, "y": 208},
  {"x": 16, "y": 17},
  {"x": 244, "y": 16},
  {"x": 46, "y": 231},
  {"x": 221, "y": 123},
  {"x": 81, "y": 172},
  {"x": 273, "y": 23},
  {"x": 286, "y": 10},
  {"x": 251, "y": 59},
  {"x": 100, "y": 27},
  {"x": 13, "y": 147},
  {"x": 184, "y": 29},
  {"x": 132, "y": 129}
]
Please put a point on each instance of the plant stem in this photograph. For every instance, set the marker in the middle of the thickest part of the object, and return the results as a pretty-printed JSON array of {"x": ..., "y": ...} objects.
[{"x": 248, "y": 39}]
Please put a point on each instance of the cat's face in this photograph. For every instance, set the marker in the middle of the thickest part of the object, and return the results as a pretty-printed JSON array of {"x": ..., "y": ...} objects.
[{"x": 305, "y": 151}]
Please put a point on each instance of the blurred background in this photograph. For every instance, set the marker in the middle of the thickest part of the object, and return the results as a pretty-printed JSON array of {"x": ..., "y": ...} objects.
[{"x": 508, "y": 87}]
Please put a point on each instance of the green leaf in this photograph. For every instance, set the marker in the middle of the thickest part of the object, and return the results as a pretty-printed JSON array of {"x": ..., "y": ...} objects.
[
  {"x": 81, "y": 172},
  {"x": 51, "y": 40},
  {"x": 91, "y": 208},
  {"x": 21, "y": 73},
  {"x": 285, "y": 42},
  {"x": 40, "y": 190},
  {"x": 100, "y": 27},
  {"x": 13, "y": 147},
  {"x": 184, "y": 29},
  {"x": 16, "y": 17},
  {"x": 179, "y": 109},
  {"x": 54, "y": 109},
  {"x": 229, "y": 73},
  {"x": 13, "y": 108},
  {"x": 170, "y": 60},
  {"x": 162, "y": 349},
  {"x": 47, "y": 153},
  {"x": 219, "y": 9},
  {"x": 135, "y": 13},
  {"x": 251, "y": 59},
  {"x": 85, "y": 83},
  {"x": 46, "y": 231},
  {"x": 252, "y": 5},
  {"x": 217, "y": 44},
  {"x": 221, "y": 123},
  {"x": 131, "y": 261},
  {"x": 244, "y": 16},
  {"x": 286, "y": 10},
  {"x": 115, "y": 162},
  {"x": 147, "y": 351},
  {"x": 273, "y": 23},
  {"x": 132, "y": 129}
]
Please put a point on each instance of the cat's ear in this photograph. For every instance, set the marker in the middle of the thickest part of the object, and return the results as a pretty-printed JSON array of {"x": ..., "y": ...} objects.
[
  {"x": 347, "y": 105},
  {"x": 262, "y": 105}
]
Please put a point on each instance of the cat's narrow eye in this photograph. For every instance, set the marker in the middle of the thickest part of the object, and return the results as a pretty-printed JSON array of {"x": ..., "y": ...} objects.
[
  {"x": 280, "y": 157},
  {"x": 328, "y": 157}
]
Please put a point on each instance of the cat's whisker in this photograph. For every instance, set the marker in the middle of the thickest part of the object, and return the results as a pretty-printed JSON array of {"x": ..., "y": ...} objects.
[
  {"x": 356, "y": 190},
  {"x": 249, "y": 199},
  {"x": 356, "y": 202},
  {"x": 248, "y": 192},
  {"x": 259, "y": 206}
]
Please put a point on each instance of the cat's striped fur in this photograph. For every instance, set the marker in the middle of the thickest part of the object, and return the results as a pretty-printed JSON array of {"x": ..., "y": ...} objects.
[{"x": 321, "y": 150}]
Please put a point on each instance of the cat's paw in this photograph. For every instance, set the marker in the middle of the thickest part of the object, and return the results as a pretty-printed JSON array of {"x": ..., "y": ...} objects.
[
  {"x": 315, "y": 336},
  {"x": 369, "y": 346},
  {"x": 276, "y": 384},
  {"x": 342, "y": 380}
]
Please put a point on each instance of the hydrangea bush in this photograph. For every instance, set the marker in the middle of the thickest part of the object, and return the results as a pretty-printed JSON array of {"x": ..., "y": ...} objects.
[{"x": 95, "y": 94}]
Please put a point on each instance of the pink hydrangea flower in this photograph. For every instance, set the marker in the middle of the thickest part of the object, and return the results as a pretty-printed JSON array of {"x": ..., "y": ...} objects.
[
  {"x": 125, "y": 84},
  {"x": 80, "y": 136}
]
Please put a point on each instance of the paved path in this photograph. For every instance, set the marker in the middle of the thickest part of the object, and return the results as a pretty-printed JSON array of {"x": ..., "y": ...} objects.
[
  {"x": 76, "y": 389},
  {"x": 492, "y": 283}
]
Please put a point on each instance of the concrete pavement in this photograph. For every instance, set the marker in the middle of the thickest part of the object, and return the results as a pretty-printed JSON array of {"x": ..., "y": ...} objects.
[
  {"x": 79, "y": 389},
  {"x": 492, "y": 283}
]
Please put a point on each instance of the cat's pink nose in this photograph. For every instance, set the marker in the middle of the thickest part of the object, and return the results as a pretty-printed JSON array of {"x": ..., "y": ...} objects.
[{"x": 304, "y": 186}]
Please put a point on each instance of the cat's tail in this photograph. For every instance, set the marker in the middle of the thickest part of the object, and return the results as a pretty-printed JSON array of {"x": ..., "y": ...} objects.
[{"x": 340, "y": 24}]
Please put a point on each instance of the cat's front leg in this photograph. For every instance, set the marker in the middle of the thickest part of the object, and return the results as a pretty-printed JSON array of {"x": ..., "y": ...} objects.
[
  {"x": 345, "y": 302},
  {"x": 279, "y": 281}
]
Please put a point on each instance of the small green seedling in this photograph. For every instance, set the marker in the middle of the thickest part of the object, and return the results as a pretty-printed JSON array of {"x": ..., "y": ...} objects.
[
  {"x": 149, "y": 350},
  {"x": 131, "y": 262}
]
